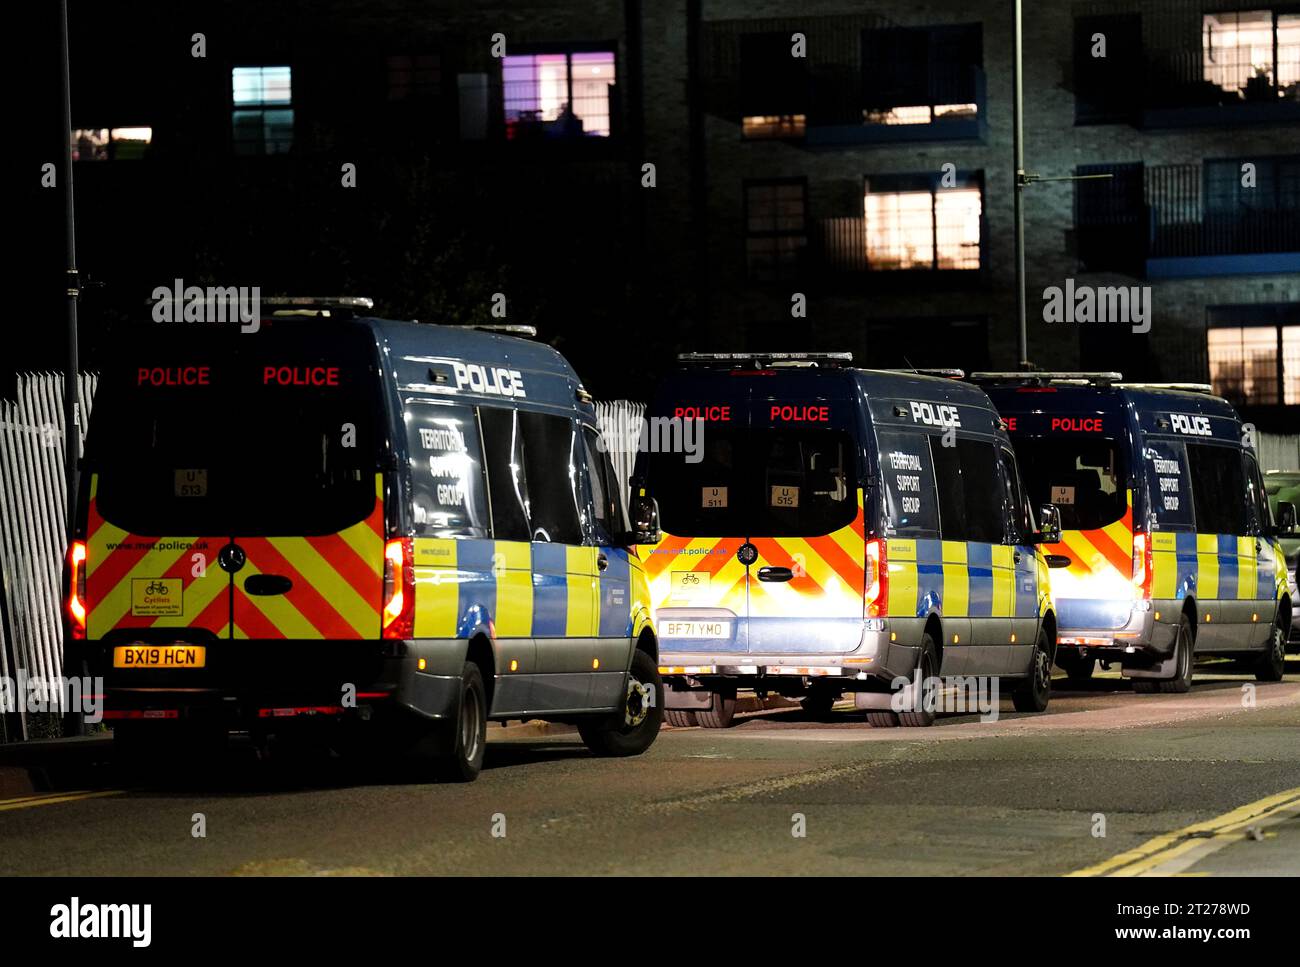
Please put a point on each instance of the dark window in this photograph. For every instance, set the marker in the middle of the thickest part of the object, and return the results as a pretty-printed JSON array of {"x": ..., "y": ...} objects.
[
  {"x": 414, "y": 76},
  {"x": 776, "y": 229},
  {"x": 1168, "y": 484},
  {"x": 917, "y": 75},
  {"x": 551, "y": 469},
  {"x": 1107, "y": 89},
  {"x": 611, "y": 518},
  {"x": 1019, "y": 518},
  {"x": 764, "y": 483},
  {"x": 1086, "y": 477},
  {"x": 773, "y": 87},
  {"x": 909, "y": 484},
  {"x": 1256, "y": 497},
  {"x": 1275, "y": 188},
  {"x": 289, "y": 459},
  {"x": 1111, "y": 227},
  {"x": 948, "y": 484},
  {"x": 449, "y": 491},
  {"x": 982, "y": 493},
  {"x": 503, "y": 456},
  {"x": 1218, "y": 489}
]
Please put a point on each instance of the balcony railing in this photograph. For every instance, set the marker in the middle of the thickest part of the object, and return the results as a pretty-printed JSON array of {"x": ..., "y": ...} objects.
[
  {"x": 1181, "y": 225},
  {"x": 1193, "y": 77}
]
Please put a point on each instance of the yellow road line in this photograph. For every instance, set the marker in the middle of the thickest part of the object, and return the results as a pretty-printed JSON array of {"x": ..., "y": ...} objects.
[
  {"x": 1168, "y": 846},
  {"x": 49, "y": 799}
]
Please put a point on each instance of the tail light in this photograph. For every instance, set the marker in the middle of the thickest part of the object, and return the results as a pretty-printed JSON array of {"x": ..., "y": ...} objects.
[
  {"x": 399, "y": 589},
  {"x": 877, "y": 590},
  {"x": 1142, "y": 570},
  {"x": 77, "y": 589}
]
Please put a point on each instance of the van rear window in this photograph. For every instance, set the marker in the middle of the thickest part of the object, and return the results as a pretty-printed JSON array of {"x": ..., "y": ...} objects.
[
  {"x": 773, "y": 482},
  {"x": 1086, "y": 477},
  {"x": 266, "y": 434}
]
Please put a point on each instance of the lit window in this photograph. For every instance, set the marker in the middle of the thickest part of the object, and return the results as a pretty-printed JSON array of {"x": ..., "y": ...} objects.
[
  {"x": 1255, "y": 365},
  {"x": 558, "y": 94},
  {"x": 924, "y": 229},
  {"x": 774, "y": 126},
  {"x": 922, "y": 114},
  {"x": 919, "y": 75},
  {"x": 105, "y": 144},
  {"x": 773, "y": 88},
  {"x": 262, "y": 119},
  {"x": 1255, "y": 52}
]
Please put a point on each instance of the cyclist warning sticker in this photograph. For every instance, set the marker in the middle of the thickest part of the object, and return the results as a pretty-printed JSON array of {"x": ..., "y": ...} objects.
[
  {"x": 714, "y": 497},
  {"x": 687, "y": 584},
  {"x": 156, "y": 597}
]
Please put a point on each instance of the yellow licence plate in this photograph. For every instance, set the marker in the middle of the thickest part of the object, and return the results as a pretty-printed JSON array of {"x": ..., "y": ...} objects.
[{"x": 159, "y": 656}]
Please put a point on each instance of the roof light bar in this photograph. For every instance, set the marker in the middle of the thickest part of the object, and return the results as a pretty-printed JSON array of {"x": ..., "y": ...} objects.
[
  {"x": 931, "y": 371},
  {"x": 762, "y": 360},
  {"x": 1049, "y": 376},
  {"x": 1184, "y": 387},
  {"x": 501, "y": 328}
]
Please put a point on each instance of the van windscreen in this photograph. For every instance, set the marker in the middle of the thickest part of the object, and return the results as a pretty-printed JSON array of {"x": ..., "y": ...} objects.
[
  {"x": 773, "y": 482},
  {"x": 264, "y": 434},
  {"x": 1087, "y": 478}
]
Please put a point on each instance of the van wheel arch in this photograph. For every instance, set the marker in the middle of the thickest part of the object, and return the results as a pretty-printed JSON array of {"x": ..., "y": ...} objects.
[
  {"x": 480, "y": 653},
  {"x": 1189, "y": 609},
  {"x": 934, "y": 628},
  {"x": 1049, "y": 626},
  {"x": 648, "y": 643}
]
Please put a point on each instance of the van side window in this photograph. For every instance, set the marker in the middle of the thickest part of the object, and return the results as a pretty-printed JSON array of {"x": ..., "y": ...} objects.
[
  {"x": 1169, "y": 485},
  {"x": 1016, "y": 510},
  {"x": 503, "y": 456},
  {"x": 948, "y": 485},
  {"x": 1257, "y": 498},
  {"x": 980, "y": 491},
  {"x": 1218, "y": 488},
  {"x": 908, "y": 478},
  {"x": 551, "y": 469},
  {"x": 448, "y": 487},
  {"x": 605, "y": 496}
]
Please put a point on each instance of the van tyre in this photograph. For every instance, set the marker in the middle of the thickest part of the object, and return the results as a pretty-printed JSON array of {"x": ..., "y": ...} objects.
[
  {"x": 720, "y": 714},
  {"x": 1033, "y": 694},
  {"x": 927, "y": 668},
  {"x": 1077, "y": 670},
  {"x": 1272, "y": 664},
  {"x": 632, "y": 729},
  {"x": 465, "y": 738},
  {"x": 1182, "y": 677},
  {"x": 882, "y": 720},
  {"x": 680, "y": 718}
]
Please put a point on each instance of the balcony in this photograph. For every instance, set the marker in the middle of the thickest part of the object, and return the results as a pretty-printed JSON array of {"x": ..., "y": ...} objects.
[
  {"x": 1173, "y": 221},
  {"x": 1185, "y": 88}
]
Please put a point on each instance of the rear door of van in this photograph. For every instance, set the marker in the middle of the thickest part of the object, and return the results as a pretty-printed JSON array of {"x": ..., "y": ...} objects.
[{"x": 235, "y": 492}]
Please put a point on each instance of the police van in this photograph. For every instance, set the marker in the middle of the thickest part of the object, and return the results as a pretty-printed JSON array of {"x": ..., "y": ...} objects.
[
  {"x": 837, "y": 530},
  {"x": 404, "y": 529},
  {"x": 1172, "y": 551}
]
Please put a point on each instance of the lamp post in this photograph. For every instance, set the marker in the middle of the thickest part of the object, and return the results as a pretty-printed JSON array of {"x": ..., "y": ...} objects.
[{"x": 71, "y": 415}]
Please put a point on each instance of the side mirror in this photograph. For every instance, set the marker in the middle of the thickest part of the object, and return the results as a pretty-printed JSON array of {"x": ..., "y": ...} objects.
[
  {"x": 1049, "y": 525},
  {"x": 644, "y": 512},
  {"x": 1285, "y": 517}
]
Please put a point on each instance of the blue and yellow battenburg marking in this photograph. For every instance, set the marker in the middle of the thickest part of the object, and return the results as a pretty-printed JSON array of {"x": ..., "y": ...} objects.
[
  {"x": 524, "y": 590},
  {"x": 964, "y": 579},
  {"x": 1214, "y": 567}
]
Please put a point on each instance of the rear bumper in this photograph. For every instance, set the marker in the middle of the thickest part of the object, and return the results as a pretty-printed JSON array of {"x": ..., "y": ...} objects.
[
  {"x": 254, "y": 684},
  {"x": 1134, "y": 632}
]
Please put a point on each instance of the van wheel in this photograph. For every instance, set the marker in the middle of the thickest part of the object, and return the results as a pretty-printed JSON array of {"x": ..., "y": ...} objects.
[
  {"x": 1272, "y": 664},
  {"x": 1182, "y": 677},
  {"x": 819, "y": 702},
  {"x": 465, "y": 738},
  {"x": 1077, "y": 670},
  {"x": 882, "y": 720},
  {"x": 927, "y": 667},
  {"x": 680, "y": 718},
  {"x": 720, "y": 714},
  {"x": 1033, "y": 694},
  {"x": 632, "y": 729}
]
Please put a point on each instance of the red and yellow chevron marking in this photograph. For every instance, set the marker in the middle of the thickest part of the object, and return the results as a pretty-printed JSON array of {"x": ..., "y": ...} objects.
[
  {"x": 1101, "y": 560},
  {"x": 119, "y": 564},
  {"x": 337, "y": 583},
  {"x": 701, "y": 572},
  {"x": 828, "y": 574}
]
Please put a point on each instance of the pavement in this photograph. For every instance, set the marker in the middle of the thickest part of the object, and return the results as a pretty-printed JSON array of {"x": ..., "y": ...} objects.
[{"x": 1106, "y": 783}]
